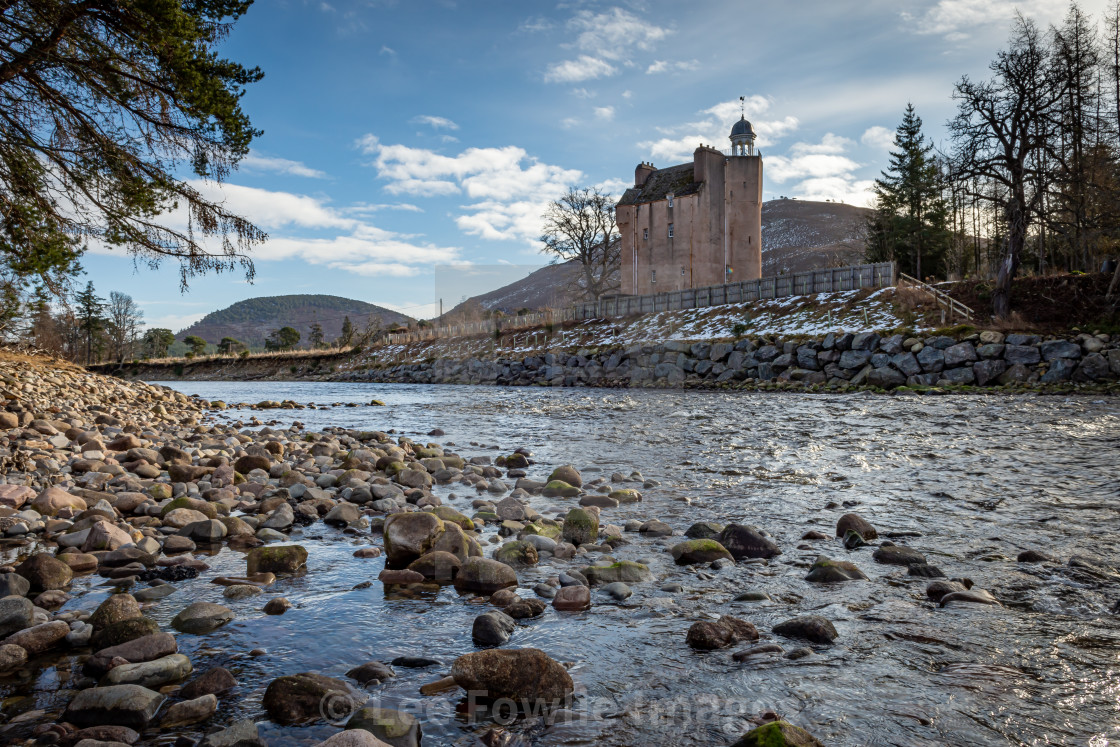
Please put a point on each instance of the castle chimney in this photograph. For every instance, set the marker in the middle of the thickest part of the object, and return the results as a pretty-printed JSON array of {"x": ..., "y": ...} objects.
[{"x": 642, "y": 173}]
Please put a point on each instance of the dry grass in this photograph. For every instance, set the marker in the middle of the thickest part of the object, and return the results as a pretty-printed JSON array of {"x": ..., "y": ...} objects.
[{"x": 236, "y": 357}]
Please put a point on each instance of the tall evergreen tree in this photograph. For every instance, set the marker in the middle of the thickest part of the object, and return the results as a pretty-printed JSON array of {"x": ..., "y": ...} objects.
[
  {"x": 910, "y": 223},
  {"x": 91, "y": 317}
]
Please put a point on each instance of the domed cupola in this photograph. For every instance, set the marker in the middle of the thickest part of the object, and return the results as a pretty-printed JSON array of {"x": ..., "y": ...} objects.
[{"x": 742, "y": 138}]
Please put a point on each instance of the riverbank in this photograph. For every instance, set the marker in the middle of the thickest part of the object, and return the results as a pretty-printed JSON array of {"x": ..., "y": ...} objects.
[
  {"x": 417, "y": 561},
  {"x": 953, "y": 360}
]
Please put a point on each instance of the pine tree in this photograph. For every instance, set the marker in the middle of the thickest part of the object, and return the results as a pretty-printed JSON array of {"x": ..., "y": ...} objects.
[
  {"x": 347, "y": 332},
  {"x": 910, "y": 223},
  {"x": 315, "y": 336},
  {"x": 91, "y": 318}
]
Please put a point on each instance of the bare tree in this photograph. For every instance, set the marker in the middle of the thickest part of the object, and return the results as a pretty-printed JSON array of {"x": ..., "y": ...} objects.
[
  {"x": 124, "y": 318},
  {"x": 999, "y": 125},
  {"x": 581, "y": 226}
]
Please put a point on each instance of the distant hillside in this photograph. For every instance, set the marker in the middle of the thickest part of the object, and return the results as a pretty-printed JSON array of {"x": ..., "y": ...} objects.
[
  {"x": 797, "y": 235},
  {"x": 253, "y": 319}
]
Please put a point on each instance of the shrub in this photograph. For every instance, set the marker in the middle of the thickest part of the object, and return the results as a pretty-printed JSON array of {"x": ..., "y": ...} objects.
[{"x": 243, "y": 354}]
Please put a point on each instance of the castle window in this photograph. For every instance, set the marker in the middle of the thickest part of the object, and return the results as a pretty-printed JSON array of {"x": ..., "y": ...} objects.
[
  {"x": 670, "y": 230},
  {"x": 645, "y": 233},
  {"x": 653, "y": 276}
]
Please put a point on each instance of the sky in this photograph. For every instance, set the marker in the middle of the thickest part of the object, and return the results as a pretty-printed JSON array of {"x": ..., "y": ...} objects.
[{"x": 405, "y": 136}]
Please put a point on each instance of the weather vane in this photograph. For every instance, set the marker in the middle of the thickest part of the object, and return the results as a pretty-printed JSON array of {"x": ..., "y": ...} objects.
[{"x": 743, "y": 106}]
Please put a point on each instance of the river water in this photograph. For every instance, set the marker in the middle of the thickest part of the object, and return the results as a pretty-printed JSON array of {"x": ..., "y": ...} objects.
[{"x": 976, "y": 480}]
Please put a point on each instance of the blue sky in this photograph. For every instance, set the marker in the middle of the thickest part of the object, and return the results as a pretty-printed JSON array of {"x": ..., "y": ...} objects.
[{"x": 401, "y": 136}]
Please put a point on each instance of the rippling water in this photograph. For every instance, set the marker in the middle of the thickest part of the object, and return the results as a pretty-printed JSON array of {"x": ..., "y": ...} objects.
[{"x": 976, "y": 479}]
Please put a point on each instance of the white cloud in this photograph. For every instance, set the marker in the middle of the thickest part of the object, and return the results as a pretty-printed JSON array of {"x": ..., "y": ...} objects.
[
  {"x": 256, "y": 162},
  {"x": 437, "y": 123},
  {"x": 662, "y": 66},
  {"x": 838, "y": 188},
  {"x": 569, "y": 122},
  {"x": 583, "y": 93},
  {"x": 878, "y": 137},
  {"x": 957, "y": 19},
  {"x": 605, "y": 113},
  {"x": 366, "y": 208},
  {"x": 605, "y": 40},
  {"x": 830, "y": 144},
  {"x": 782, "y": 169},
  {"x": 508, "y": 189},
  {"x": 714, "y": 127},
  {"x": 173, "y": 322},
  {"x": 574, "y": 71}
]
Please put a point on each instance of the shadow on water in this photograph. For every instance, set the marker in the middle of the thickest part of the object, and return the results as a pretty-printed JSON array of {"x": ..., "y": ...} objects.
[{"x": 969, "y": 481}]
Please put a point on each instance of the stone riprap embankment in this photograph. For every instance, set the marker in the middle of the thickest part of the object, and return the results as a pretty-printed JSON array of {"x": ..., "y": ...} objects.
[{"x": 834, "y": 362}]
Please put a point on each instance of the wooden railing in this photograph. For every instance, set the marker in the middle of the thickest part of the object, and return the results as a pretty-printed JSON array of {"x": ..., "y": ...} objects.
[
  {"x": 949, "y": 305},
  {"x": 832, "y": 280}
]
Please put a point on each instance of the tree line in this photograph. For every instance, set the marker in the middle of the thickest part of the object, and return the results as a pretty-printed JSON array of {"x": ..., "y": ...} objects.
[{"x": 1030, "y": 177}]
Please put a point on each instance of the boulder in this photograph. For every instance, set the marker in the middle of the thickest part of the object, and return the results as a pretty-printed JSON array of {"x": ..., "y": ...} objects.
[
  {"x": 517, "y": 553},
  {"x": 189, "y": 712},
  {"x": 527, "y": 676},
  {"x": 568, "y": 474},
  {"x": 394, "y": 728},
  {"x": 202, "y": 617},
  {"x": 969, "y": 596},
  {"x": 276, "y": 559},
  {"x": 115, "y": 609},
  {"x": 438, "y": 566},
  {"x": 39, "y": 638},
  {"x": 45, "y": 572},
  {"x": 408, "y": 536},
  {"x": 105, "y": 536},
  {"x": 778, "y": 734},
  {"x": 580, "y": 527},
  {"x": 709, "y": 635},
  {"x": 120, "y": 705},
  {"x": 352, "y": 738},
  {"x": 14, "y": 496},
  {"x": 484, "y": 575},
  {"x": 626, "y": 571},
  {"x": 16, "y": 613},
  {"x": 372, "y": 673},
  {"x": 152, "y": 674},
  {"x": 54, "y": 499},
  {"x": 572, "y": 599},
  {"x": 13, "y": 584},
  {"x": 699, "y": 551},
  {"x": 304, "y": 697},
  {"x": 492, "y": 628},
  {"x": 897, "y": 555},
  {"x": 855, "y": 522},
  {"x": 12, "y": 657},
  {"x": 214, "y": 681},
  {"x": 124, "y": 631},
  {"x": 825, "y": 570},
  {"x": 808, "y": 627},
  {"x": 747, "y": 542}
]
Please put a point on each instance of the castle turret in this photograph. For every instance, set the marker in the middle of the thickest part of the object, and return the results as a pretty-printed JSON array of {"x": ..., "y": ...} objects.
[
  {"x": 642, "y": 172},
  {"x": 742, "y": 138}
]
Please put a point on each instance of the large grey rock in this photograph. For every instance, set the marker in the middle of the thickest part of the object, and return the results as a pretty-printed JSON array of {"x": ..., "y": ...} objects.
[
  {"x": 394, "y": 728},
  {"x": 1028, "y": 355},
  {"x": 151, "y": 674},
  {"x": 907, "y": 363},
  {"x": 202, "y": 617},
  {"x": 962, "y": 375},
  {"x": 492, "y": 628},
  {"x": 807, "y": 627},
  {"x": 746, "y": 542},
  {"x": 1093, "y": 366},
  {"x": 1061, "y": 369},
  {"x": 241, "y": 734},
  {"x": 121, "y": 705},
  {"x": 988, "y": 370},
  {"x": 16, "y": 613},
  {"x": 886, "y": 378},
  {"x": 854, "y": 358},
  {"x": 309, "y": 697},
  {"x": 484, "y": 575},
  {"x": 958, "y": 354},
  {"x": 1054, "y": 349},
  {"x": 13, "y": 584},
  {"x": 39, "y": 638},
  {"x": 145, "y": 648},
  {"x": 932, "y": 359}
]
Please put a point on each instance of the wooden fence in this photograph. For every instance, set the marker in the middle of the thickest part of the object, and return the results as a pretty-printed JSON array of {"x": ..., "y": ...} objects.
[{"x": 833, "y": 280}]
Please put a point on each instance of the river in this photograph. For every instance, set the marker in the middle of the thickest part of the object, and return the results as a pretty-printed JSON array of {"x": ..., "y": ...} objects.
[{"x": 974, "y": 480}]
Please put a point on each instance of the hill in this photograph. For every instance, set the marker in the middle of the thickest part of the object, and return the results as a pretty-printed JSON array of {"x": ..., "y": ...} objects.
[
  {"x": 253, "y": 319},
  {"x": 797, "y": 235}
]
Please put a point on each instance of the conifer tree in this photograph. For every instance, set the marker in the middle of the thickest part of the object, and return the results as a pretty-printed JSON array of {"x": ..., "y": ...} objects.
[{"x": 910, "y": 223}]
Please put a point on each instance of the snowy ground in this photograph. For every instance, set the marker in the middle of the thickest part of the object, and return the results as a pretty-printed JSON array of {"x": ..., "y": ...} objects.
[{"x": 849, "y": 311}]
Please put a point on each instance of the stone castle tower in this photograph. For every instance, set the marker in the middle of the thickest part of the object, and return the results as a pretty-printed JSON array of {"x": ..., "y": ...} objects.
[{"x": 694, "y": 224}]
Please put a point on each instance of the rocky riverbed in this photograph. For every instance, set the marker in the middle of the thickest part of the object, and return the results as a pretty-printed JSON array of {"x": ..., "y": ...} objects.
[{"x": 174, "y": 578}]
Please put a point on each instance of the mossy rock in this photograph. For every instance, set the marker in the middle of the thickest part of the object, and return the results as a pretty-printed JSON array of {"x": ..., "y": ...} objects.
[
  {"x": 580, "y": 527},
  {"x": 544, "y": 528},
  {"x": 560, "y": 489},
  {"x": 625, "y": 571},
  {"x": 826, "y": 570},
  {"x": 517, "y": 553},
  {"x": 695, "y": 551},
  {"x": 487, "y": 516},
  {"x": 449, "y": 514},
  {"x": 392, "y": 468},
  {"x": 513, "y": 461},
  {"x": 276, "y": 559},
  {"x": 160, "y": 491},
  {"x": 427, "y": 453},
  {"x": 123, "y": 632},
  {"x": 391, "y": 727},
  {"x": 778, "y": 734},
  {"x": 568, "y": 474},
  {"x": 625, "y": 495}
]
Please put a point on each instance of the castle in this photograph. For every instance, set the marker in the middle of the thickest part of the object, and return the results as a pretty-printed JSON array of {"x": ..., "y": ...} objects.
[{"x": 694, "y": 224}]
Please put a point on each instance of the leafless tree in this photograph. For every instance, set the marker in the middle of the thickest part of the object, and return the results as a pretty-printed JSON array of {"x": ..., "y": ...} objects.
[
  {"x": 124, "y": 318},
  {"x": 999, "y": 125},
  {"x": 581, "y": 226}
]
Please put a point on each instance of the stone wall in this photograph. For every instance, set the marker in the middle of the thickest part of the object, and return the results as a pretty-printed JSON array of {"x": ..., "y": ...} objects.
[{"x": 836, "y": 361}]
